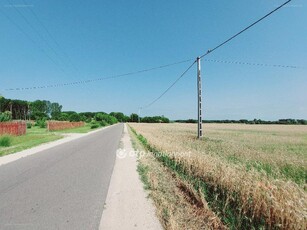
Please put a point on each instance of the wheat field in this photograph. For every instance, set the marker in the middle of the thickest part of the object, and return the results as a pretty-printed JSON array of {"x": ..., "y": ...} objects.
[{"x": 251, "y": 175}]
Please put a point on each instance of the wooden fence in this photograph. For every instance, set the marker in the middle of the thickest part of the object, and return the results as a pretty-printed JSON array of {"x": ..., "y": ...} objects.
[
  {"x": 15, "y": 128},
  {"x": 60, "y": 125}
]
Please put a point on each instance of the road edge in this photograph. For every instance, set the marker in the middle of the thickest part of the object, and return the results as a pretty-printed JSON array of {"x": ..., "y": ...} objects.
[
  {"x": 127, "y": 205},
  {"x": 28, "y": 152}
]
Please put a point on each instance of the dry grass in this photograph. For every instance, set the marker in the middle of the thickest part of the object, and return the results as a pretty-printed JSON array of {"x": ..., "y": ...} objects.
[
  {"x": 251, "y": 175},
  {"x": 176, "y": 207}
]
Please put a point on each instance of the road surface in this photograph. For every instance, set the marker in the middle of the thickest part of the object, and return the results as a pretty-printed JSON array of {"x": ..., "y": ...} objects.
[{"x": 64, "y": 187}]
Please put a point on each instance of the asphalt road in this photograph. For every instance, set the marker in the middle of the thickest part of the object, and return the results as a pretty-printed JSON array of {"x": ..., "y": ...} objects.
[{"x": 64, "y": 187}]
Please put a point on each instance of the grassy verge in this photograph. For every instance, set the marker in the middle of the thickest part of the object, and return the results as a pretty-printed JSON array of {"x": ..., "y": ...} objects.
[
  {"x": 5, "y": 141},
  {"x": 176, "y": 207},
  {"x": 35, "y": 136}
]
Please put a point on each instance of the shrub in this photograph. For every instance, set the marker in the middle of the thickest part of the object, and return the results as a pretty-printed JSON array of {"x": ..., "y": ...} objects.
[
  {"x": 106, "y": 117},
  {"x": 5, "y": 141},
  {"x": 41, "y": 123},
  {"x": 94, "y": 125},
  {"x": 74, "y": 117},
  {"x": 103, "y": 123},
  {"x": 6, "y": 116},
  {"x": 29, "y": 125},
  {"x": 63, "y": 117}
]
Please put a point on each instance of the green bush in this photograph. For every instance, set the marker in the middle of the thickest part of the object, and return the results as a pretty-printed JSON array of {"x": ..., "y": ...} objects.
[
  {"x": 5, "y": 141},
  {"x": 29, "y": 125},
  {"x": 6, "y": 116},
  {"x": 105, "y": 117},
  {"x": 74, "y": 117},
  {"x": 88, "y": 120},
  {"x": 63, "y": 117},
  {"x": 103, "y": 123},
  {"x": 41, "y": 123},
  {"x": 94, "y": 125}
]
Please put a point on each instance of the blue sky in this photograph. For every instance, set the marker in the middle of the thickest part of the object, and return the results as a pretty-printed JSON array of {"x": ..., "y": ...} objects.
[{"x": 102, "y": 38}]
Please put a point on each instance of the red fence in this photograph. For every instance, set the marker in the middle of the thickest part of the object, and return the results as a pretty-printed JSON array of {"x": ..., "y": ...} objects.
[
  {"x": 59, "y": 125},
  {"x": 15, "y": 128}
]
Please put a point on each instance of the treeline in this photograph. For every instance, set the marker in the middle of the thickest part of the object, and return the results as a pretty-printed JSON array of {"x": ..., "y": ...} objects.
[
  {"x": 255, "y": 121},
  {"x": 155, "y": 119},
  {"x": 42, "y": 110},
  {"x": 26, "y": 110}
]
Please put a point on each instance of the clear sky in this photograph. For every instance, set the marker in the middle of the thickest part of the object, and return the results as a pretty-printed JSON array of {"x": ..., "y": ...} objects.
[{"x": 99, "y": 38}]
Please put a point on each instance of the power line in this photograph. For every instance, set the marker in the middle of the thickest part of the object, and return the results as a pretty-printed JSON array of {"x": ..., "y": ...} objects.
[
  {"x": 171, "y": 86},
  {"x": 242, "y": 31},
  {"x": 210, "y": 51},
  {"x": 99, "y": 79},
  {"x": 37, "y": 32},
  {"x": 51, "y": 37},
  {"x": 31, "y": 39},
  {"x": 251, "y": 63},
  {"x": 147, "y": 70}
]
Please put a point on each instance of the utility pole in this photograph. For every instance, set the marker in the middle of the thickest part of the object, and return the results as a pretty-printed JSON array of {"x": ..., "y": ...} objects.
[
  {"x": 199, "y": 99},
  {"x": 139, "y": 117},
  {"x": 11, "y": 108}
]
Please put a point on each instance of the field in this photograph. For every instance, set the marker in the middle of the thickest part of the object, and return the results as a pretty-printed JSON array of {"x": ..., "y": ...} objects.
[{"x": 237, "y": 176}]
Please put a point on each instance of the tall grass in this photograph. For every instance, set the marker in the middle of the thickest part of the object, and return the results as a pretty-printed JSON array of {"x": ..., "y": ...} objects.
[
  {"x": 5, "y": 141},
  {"x": 176, "y": 206}
]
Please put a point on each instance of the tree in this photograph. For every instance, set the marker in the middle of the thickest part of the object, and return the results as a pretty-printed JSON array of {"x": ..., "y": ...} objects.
[
  {"x": 5, "y": 116},
  {"x": 74, "y": 117},
  {"x": 88, "y": 116},
  {"x": 2, "y": 102},
  {"x": 105, "y": 117},
  {"x": 64, "y": 117},
  {"x": 155, "y": 119},
  {"x": 56, "y": 109},
  {"x": 120, "y": 116},
  {"x": 18, "y": 108},
  {"x": 134, "y": 117},
  {"x": 39, "y": 110}
]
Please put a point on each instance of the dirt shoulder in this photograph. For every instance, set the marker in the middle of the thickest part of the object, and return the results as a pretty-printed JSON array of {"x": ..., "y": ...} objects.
[{"x": 127, "y": 205}]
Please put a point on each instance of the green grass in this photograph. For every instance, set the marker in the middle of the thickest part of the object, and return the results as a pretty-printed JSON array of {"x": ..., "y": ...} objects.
[
  {"x": 295, "y": 173},
  {"x": 143, "y": 171},
  {"x": 5, "y": 141},
  {"x": 35, "y": 136}
]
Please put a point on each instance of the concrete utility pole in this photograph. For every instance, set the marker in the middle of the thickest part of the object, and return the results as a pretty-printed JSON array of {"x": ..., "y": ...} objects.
[
  {"x": 199, "y": 98},
  {"x": 139, "y": 117}
]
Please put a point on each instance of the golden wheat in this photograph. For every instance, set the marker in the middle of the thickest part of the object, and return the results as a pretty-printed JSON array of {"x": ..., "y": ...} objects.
[{"x": 281, "y": 202}]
